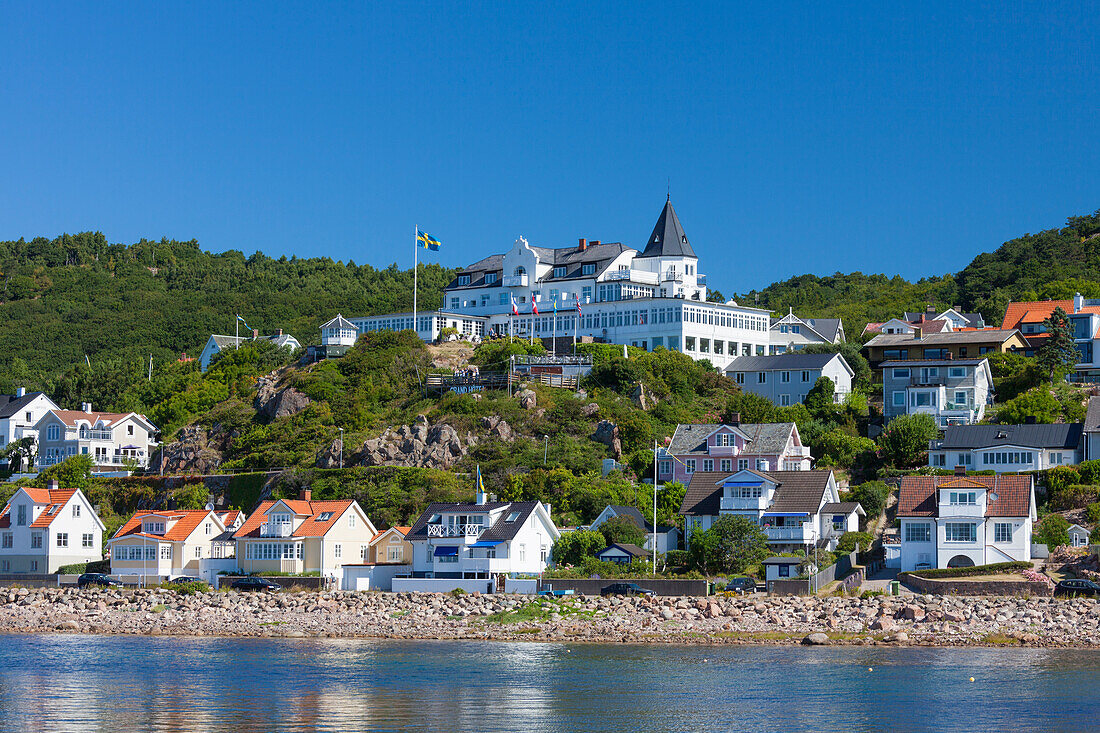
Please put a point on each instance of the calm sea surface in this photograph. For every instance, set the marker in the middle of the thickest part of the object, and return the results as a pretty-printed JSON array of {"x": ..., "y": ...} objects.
[{"x": 90, "y": 683}]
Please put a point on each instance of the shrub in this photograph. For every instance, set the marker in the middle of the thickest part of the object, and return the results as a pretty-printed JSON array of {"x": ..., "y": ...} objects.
[
  {"x": 1073, "y": 496},
  {"x": 837, "y": 448},
  {"x": 1089, "y": 471},
  {"x": 849, "y": 540},
  {"x": 573, "y": 547},
  {"x": 75, "y": 569},
  {"x": 872, "y": 496},
  {"x": 1052, "y": 531},
  {"x": 187, "y": 589},
  {"x": 905, "y": 440},
  {"x": 993, "y": 569},
  {"x": 1060, "y": 477},
  {"x": 621, "y": 530},
  {"x": 1092, "y": 512}
]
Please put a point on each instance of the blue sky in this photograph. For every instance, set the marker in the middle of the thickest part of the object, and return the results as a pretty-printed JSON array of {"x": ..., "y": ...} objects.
[{"x": 796, "y": 137}]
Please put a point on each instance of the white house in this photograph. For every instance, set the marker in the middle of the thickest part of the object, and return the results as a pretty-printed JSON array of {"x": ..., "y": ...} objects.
[
  {"x": 218, "y": 343},
  {"x": 796, "y": 509},
  {"x": 791, "y": 333},
  {"x": 785, "y": 379},
  {"x": 1007, "y": 448},
  {"x": 484, "y": 539},
  {"x": 113, "y": 440},
  {"x": 1078, "y": 536},
  {"x": 167, "y": 543},
  {"x": 19, "y": 413},
  {"x": 962, "y": 521},
  {"x": 44, "y": 529},
  {"x": 668, "y": 537},
  {"x": 952, "y": 391}
]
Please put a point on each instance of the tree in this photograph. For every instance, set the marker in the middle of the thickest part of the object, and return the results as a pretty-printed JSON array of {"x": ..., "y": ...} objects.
[
  {"x": 850, "y": 540},
  {"x": 1037, "y": 403},
  {"x": 1013, "y": 374},
  {"x": 1053, "y": 531},
  {"x": 75, "y": 472},
  {"x": 620, "y": 530},
  {"x": 573, "y": 547},
  {"x": 20, "y": 453},
  {"x": 730, "y": 545},
  {"x": 1058, "y": 354},
  {"x": 872, "y": 496},
  {"x": 838, "y": 448},
  {"x": 751, "y": 407},
  {"x": 820, "y": 396},
  {"x": 906, "y": 438}
]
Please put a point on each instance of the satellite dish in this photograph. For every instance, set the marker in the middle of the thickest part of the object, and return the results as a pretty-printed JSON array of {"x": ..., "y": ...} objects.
[
  {"x": 993, "y": 496},
  {"x": 209, "y": 506}
]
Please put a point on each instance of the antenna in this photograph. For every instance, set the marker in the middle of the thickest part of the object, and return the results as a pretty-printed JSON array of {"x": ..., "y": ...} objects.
[{"x": 668, "y": 186}]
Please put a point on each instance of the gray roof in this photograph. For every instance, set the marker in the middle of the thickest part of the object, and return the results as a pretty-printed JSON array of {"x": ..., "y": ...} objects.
[
  {"x": 1066, "y": 436},
  {"x": 10, "y": 404},
  {"x": 843, "y": 507},
  {"x": 571, "y": 258},
  {"x": 784, "y": 362},
  {"x": 765, "y": 438},
  {"x": 339, "y": 322},
  {"x": 796, "y": 491},
  {"x": 826, "y": 328},
  {"x": 502, "y": 530},
  {"x": 668, "y": 238},
  {"x": 784, "y": 561},
  {"x": 628, "y": 548},
  {"x": 947, "y": 337},
  {"x": 1092, "y": 416}
]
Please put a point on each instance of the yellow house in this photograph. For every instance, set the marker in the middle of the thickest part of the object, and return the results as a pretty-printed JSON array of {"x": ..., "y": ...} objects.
[
  {"x": 170, "y": 543},
  {"x": 390, "y": 547},
  {"x": 303, "y": 536}
]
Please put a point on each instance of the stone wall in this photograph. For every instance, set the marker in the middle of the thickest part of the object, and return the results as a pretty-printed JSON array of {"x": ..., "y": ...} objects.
[
  {"x": 660, "y": 586},
  {"x": 968, "y": 587}
]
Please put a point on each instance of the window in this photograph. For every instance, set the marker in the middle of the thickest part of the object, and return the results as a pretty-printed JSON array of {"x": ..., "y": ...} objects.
[
  {"x": 742, "y": 464},
  {"x": 726, "y": 464},
  {"x": 34, "y": 566},
  {"x": 805, "y": 376},
  {"x": 665, "y": 466},
  {"x": 689, "y": 465},
  {"x": 963, "y": 498},
  {"x": 1002, "y": 532},
  {"x": 960, "y": 397},
  {"x": 22, "y": 513},
  {"x": 939, "y": 459},
  {"x": 336, "y": 550},
  {"x": 901, "y": 373},
  {"x": 739, "y": 377},
  {"x": 198, "y": 551},
  {"x": 965, "y": 459},
  {"x": 785, "y": 377},
  {"x": 724, "y": 439},
  {"x": 76, "y": 510},
  {"x": 895, "y": 354},
  {"x": 165, "y": 552},
  {"x": 956, "y": 372},
  {"x": 559, "y": 272},
  {"x": 36, "y": 540},
  {"x": 323, "y": 517},
  {"x": 87, "y": 540},
  {"x": 1056, "y": 459},
  {"x": 761, "y": 377},
  {"x": 490, "y": 278},
  {"x": 689, "y": 343},
  {"x": 708, "y": 464},
  {"x": 588, "y": 269},
  {"x": 512, "y": 516},
  {"x": 7, "y": 540},
  {"x": 899, "y": 399},
  {"x": 62, "y": 539},
  {"x": 351, "y": 520},
  {"x": 784, "y": 400},
  {"x": 129, "y": 429},
  {"x": 935, "y": 353},
  {"x": 918, "y": 532},
  {"x": 504, "y": 298},
  {"x": 53, "y": 432},
  {"x": 522, "y": 553},
  {"x": 209, "y": 528},
  {"x": 960, "y": 531},
  {"x": 784, "y": 571},
  {"x": 463, "y": 279}
]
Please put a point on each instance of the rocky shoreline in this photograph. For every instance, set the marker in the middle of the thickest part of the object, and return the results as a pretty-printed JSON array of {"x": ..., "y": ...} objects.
[{"x": 911, "y": 620}]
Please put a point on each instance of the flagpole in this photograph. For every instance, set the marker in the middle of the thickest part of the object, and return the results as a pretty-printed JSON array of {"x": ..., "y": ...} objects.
[
  {"x": 416, "y": 259},
  {"x": 237, "y": 332}
]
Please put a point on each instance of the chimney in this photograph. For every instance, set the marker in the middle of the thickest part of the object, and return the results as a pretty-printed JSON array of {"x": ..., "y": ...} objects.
[
  {"x": 255, "y": 334},
  {"x": 960, "y": 470},
  {"x": 278, "y": 332},
  {"x": 735, "y": 418},
  {"x": 479, "y": 497},
  {"x": 594, "y": 241},
  {"x": 1078, "y": 303},
  {"x": 582, "y": 244},
  {"x": 930, "y": 309},
  {"x": 52, "y": 484},
  {"x": 916, "y": 333},
  {"x": 305, "y": 495},
  {"x": 86, "y": 407},
  {"x": 20, "y": 391},
  {"x": 1030, "y": 420}
]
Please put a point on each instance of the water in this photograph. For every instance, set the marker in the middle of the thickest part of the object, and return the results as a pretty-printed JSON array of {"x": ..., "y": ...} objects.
[{"x": 98, "y": 683}]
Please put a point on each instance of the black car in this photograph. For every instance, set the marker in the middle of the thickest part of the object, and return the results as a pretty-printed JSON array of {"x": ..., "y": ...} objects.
[
  {"x": 185, "y": 579},
  {"x": 256, "y": 584},
  {"x": 1080, "y": 587},
  {"x": 98, "y": 579},
  {"x": 741, "y": 585},
  {"x": 625, "y": 589}
]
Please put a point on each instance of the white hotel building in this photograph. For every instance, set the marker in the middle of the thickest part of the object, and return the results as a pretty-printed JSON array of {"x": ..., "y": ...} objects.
[{"x": 649, "y": 299}]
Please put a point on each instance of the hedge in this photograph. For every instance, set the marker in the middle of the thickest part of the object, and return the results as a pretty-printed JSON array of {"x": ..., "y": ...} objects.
[{"x": 997, "y": 567}]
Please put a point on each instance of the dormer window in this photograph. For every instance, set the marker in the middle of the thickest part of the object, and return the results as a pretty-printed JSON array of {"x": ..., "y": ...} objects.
[
  {"x": 963, "y": 498},
  {"x": 490, "y": 278},
  {"x": 153, "y": 527},
  {"x": 463, "y": 279},
  {"x": 559, "y": 272},
  {"x": 588, "y": 269}
]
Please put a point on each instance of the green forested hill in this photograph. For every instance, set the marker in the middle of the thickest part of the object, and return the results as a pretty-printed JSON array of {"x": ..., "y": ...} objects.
[{"x": 72, "y": 296}]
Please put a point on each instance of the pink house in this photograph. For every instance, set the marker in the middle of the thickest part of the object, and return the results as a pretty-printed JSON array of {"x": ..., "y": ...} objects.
[{"x": 731, "y": 448}]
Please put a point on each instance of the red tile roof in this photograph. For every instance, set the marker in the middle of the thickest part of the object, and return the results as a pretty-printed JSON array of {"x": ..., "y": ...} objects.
[
  {"x": 229, "y": 517},
  {"x": 1017, "y": 312},
  {"x": 186, "y": 522},
  {"x": 402, "y": 530},
  {"x": 310, "y": 527},
  {"x": 70, "y": 417},
  {"x": 917, "y": 494},
  {"x": 57, "y": 500}
]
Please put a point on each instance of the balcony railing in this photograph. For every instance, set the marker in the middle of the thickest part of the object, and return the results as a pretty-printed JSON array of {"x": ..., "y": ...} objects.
[
  {"x": 638, "y": 276},
  {"x": 276, "y": 530},
  {"x": 701, "y": 280},
  {"x": 515, "y": 281},
  {"x": 802, "y": 533},
  {"x": 87, "y": 434},
  {"x": 455, "y": 530},
  {"x": 739, "y": 504},
  {"x": 965, "y": 510},
  {"x": 673, "y": 276}
]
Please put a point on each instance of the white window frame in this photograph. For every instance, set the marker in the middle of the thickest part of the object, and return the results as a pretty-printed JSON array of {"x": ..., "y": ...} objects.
[{"x": 999, "y": 528}]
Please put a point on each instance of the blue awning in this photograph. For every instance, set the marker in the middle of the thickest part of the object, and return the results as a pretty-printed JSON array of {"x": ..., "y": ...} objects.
[
  {"x": 786, "y": 514},
  {"x": 446, "y": 551},
  {"x": 487, "y": 543}
]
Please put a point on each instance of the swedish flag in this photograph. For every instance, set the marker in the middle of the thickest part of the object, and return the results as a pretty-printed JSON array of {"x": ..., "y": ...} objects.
[
  {"x": 480, "y": 483},
  {"x": 427, "y": 241}
]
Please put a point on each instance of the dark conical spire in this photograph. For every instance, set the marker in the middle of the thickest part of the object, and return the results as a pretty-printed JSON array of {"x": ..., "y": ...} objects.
[{"x": 668, "y": 238}]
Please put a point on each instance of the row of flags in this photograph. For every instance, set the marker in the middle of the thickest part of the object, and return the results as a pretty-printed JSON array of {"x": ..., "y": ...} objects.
[{"x": 427, "y": 241}]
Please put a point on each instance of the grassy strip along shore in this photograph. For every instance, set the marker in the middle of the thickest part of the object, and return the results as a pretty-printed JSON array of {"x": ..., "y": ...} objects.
[{"x": 913, "y": 620}]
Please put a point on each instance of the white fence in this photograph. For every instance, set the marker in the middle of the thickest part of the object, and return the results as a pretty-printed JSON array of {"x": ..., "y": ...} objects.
[
  {"x": 441, "y": 585},
  {"x": 521, "y": 585},
  {"x": 209, "y": 567},
  {"x": 371, "y": 577}
]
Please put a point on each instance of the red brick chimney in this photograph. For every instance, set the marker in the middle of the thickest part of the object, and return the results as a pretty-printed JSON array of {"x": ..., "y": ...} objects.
[
  {"x": 305, "y": 495},
  {"x": 255, "y": 334},
  {"x": 582, "y": 244}
]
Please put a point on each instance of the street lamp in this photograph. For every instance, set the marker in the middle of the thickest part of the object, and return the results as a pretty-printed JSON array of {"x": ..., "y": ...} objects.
[
  {"x": 545, "y": 447},
  {"x": 341, "y": 447}
]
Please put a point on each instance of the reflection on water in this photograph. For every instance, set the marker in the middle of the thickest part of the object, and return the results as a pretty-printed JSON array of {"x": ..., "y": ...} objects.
[{"x": 89, "y": 683}]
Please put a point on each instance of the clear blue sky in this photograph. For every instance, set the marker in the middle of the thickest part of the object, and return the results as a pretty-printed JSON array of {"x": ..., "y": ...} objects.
[{"x": 797, "y": 138}]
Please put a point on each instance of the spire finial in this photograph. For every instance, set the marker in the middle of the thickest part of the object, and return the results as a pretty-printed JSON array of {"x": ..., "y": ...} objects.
[{"x": 668, "y": 186}]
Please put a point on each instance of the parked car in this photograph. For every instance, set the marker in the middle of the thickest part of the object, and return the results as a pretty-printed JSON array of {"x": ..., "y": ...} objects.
[
  {"x": 98, "y": 579},
  {"x": 741, "y": 585},
  {"x": 557, "y": 593},
  {"x": 256, "y": 584},
  {"x": 185, "y": 579},
  {"x": 1080, "y": 587},
  {"x": 625, "y": 589}
]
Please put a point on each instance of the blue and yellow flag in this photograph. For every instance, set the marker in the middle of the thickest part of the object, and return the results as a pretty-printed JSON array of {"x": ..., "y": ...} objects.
[
  {"x": 427, "y": 241},
  {"x": 480, "y": 483}
]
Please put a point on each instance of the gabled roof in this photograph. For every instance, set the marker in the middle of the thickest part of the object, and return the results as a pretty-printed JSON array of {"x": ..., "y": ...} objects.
[
  {"x": 989, "y": 335},
  {"x": 1092, "y": 415},
  {"x": 628, "y": 548},
  {"x": 339, "y": 322},
  {"x": 1064, "y": 436},
  {"x": 765, "y": 439},
  {"x": 51, "y": 499},
  {"x": 312, "y": 526},
  {"x": 796, "y": 491},
  {"x": 783, "y": 362},
  {"x": 843, "y": 507},
  {"x": 187, "y": 520},
  {"x": 502, "y": 529},
  {"x": 917, "y": 495},
  {"x": 826, "y": 328},
  {"x": 10, "y": 404},
  {"x": 1035, "y": 311},
  {"x": 402, "y": 531},
  {"x": 668, "y": 238},
  {"x": 72, "y": 418},
  {"x": 228, "y": 516}
]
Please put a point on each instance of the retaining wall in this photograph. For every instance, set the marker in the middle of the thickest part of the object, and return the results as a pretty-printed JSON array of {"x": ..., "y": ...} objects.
[
  {"x": 660, "y": 586},
  {"x": 441, "y": 585},
  {"x": 967, "y": 587}
]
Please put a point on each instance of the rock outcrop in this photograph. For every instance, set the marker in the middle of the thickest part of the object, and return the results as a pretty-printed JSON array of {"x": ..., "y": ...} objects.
[
  {"x": 329, "y": 456},
  {"x": 419, "y": 445},
  {"x": 272, "y": 402},
  {"x": 193, "y": 451},
  {"x": 498, "y": 428},
  {"x": 607, "y": 433},
  {"x": 527, "y": 399}
]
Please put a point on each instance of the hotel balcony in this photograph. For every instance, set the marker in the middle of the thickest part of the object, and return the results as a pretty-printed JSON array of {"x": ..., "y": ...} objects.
[
  {"x": 701, "y": 280},
  {"x": 515, "y": 281},
  {"x": 455, "y": 530},
  {"x": 673, "y": 276},
  {"x": 638, "y": 276}
]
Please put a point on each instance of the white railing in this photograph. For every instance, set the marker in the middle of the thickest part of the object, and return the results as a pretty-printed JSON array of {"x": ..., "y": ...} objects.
[
  {"x": 86, "y": 434},
  {"x": 638, "y": 276},
  {"x": 276, "y": 530},
  {"x": 722, "y": 450},
  {"x": 976, "y": 511},
  {"x": 736, "y": 503},
  {"x": 455, "y": 530},
  {"x": 673, "y": 276},
  {"x": 515, "y": 281},
  {"x": 803, "y": 533}
]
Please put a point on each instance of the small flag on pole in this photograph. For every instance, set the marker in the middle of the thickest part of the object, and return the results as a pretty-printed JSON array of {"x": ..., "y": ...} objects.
[
  {"x": 534, "y": 306},
  {"x": 427, "y": 241},
  {"x": 480, "y": 483},
  {"x": 242, "y": 320},
  {"x": 515, "y": 308},
  {"x": 578, "y": 304}
]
